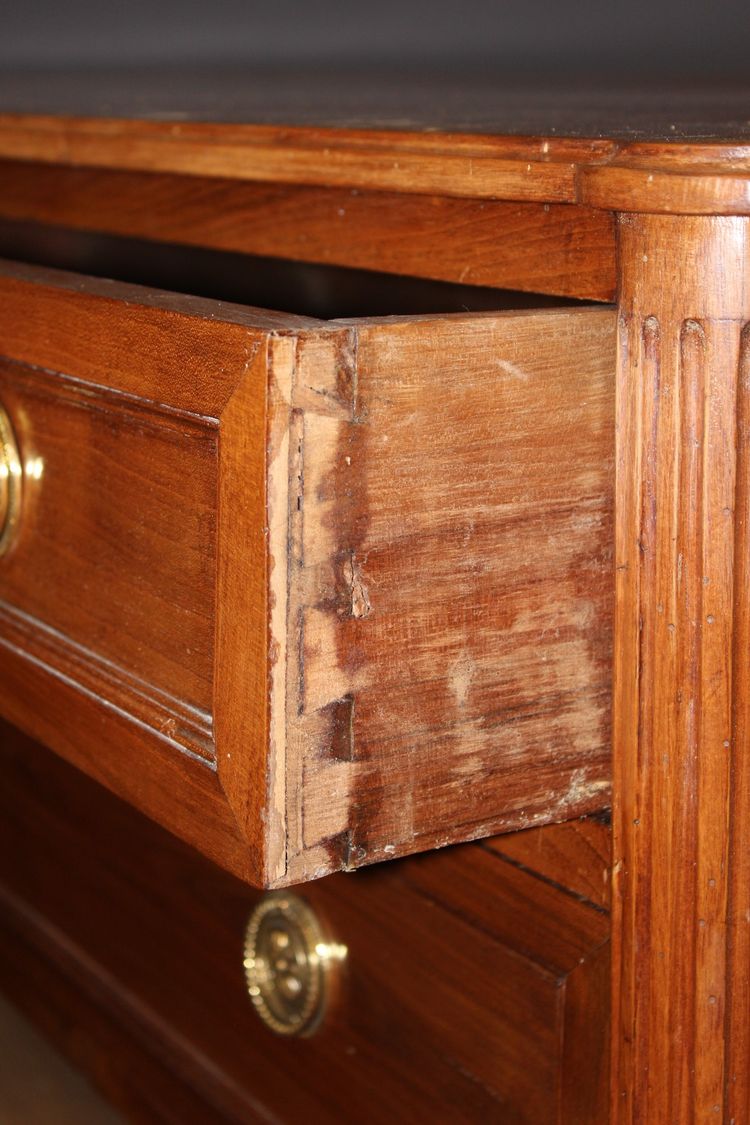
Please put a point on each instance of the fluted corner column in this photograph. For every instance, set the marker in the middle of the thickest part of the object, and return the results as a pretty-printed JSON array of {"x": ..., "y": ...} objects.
[{"x": 681, "y": 914}]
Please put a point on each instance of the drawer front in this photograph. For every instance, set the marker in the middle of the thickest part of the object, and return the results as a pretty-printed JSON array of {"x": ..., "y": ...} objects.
[
  {"x": 113, "y": 570},
  {"x": 472, "y": 990},
  {"x": 311, "y": 595}
]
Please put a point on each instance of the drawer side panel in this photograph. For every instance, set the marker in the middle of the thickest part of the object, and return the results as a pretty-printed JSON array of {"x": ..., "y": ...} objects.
[{"x": 456, "y": 582}]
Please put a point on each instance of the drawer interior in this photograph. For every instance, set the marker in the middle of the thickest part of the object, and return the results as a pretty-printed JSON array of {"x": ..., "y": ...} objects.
[{"x": 322, "y": 291}]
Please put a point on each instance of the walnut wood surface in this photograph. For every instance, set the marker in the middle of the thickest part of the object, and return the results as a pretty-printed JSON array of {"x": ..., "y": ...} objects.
[
  {"x": 117, "y": 536},
  {"x": 536, "y": 169},
  {"x": 566, "y": 250},
  {"x": 575, "y": 854},
  {"x": 456, "y": 580},
  {"x": 680, "y": 727},
  {"x": 260, "y": 564},
  {"x": 128, "y": 953},
  {"x": 110, "y": 593},
  {"x": 681, "y": 795},
  {"x": 703, "y": 174},
  {"x": 711, "y": 179}
]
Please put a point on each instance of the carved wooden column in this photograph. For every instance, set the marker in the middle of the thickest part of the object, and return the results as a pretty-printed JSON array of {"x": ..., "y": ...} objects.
[{"x": 681, "y": 971}]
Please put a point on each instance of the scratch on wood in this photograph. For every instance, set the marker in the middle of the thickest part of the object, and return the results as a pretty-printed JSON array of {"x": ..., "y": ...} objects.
[
  {"x": 512, "y": 369},
  {"x": 461, "y": 674},
  {"x": 359, "y": 594},
  {"x": 581, "y": 787}
]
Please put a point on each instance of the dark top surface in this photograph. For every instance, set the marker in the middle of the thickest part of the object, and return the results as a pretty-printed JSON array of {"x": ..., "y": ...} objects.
[{"x": 399, "y": 98}]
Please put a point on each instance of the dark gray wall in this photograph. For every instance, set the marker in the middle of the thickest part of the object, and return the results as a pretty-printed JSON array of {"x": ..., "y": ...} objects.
[{"x": 677, "y": 35}]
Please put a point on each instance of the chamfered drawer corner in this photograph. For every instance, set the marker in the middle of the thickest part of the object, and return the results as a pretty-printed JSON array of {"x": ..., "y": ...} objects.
[{"x": 310, "y": 594}]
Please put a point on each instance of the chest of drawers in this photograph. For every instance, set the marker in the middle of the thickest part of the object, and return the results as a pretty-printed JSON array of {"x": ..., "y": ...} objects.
[{"x": 322, "y": 588}]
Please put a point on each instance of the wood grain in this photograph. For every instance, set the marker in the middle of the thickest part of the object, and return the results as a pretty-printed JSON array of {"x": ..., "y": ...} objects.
[
  {"x": 477, "y": 167},
  {"x": 604, "y": 173},
  {"x": 166, "y": 348},
  {"x": 114, "y": 551},
  {"x": 546, "y": 248},
  {"x": 115, "y": 613},
  {"x": 680, "y": 735},
  {"x": 180, "y": 791},
  {"x": 243, "y": 714},
  {"x": 575, "y": 855},
  {"x": 369, "y": 584},
  {"x": 158, "y": 974},
  {"x": 455, "y": 582},
  {"x": 317, "y": 558},
  {"x": 707, "y": 179},
  {"x": 529, "y": 916},
  {"x": 586, "y": 1041}
]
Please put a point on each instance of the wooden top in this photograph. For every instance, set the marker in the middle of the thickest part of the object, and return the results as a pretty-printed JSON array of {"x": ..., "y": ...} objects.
[{"x": 618, "y": 147}]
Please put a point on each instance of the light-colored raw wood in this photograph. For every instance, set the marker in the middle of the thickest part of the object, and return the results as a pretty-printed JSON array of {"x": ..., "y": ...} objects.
[
  {"x": 681, "y": 781},
  {"x": 566, "y": 250}
]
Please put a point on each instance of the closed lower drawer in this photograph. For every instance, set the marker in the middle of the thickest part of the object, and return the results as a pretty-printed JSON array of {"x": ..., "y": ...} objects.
[
  {"x": 310, "y": 594},
  {"x": 472, "y": 990}
]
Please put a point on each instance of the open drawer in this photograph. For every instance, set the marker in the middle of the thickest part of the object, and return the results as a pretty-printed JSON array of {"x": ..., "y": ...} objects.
[{"x": 310, "y": 594}]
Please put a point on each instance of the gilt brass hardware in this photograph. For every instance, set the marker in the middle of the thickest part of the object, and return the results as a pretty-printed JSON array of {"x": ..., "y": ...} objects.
[
  {"x": 289, "y": 964},
  {"x": 11, "y": 481}
]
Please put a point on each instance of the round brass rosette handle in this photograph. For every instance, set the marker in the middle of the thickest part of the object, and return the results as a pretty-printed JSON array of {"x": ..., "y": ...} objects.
[
  {"x": 11, "y": 482},
  {"x": 290, "y": 964}
]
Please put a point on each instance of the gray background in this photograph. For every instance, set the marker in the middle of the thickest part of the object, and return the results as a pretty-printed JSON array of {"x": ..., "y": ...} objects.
[{"x": 628, "y": 36}]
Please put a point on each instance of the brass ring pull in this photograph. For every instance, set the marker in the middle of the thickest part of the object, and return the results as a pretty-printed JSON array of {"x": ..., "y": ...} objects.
[
  {"x": 289, "y": 964},
  {"x": 11, "y": 482}
]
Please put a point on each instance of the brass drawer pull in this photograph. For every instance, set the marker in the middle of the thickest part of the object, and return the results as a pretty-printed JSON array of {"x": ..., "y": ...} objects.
[
  {"x": 11, "y": 482},
  {"x": 289, "y": 964}
]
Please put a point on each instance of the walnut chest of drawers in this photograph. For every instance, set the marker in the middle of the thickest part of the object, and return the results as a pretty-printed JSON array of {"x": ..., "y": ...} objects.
[{"x": 361, "y": 486}]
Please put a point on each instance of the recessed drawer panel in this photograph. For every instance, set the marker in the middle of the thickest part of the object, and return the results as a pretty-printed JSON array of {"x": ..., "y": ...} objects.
[
  {"x": 311, "y": 594},
  {"x": 114, "y": 562}
]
